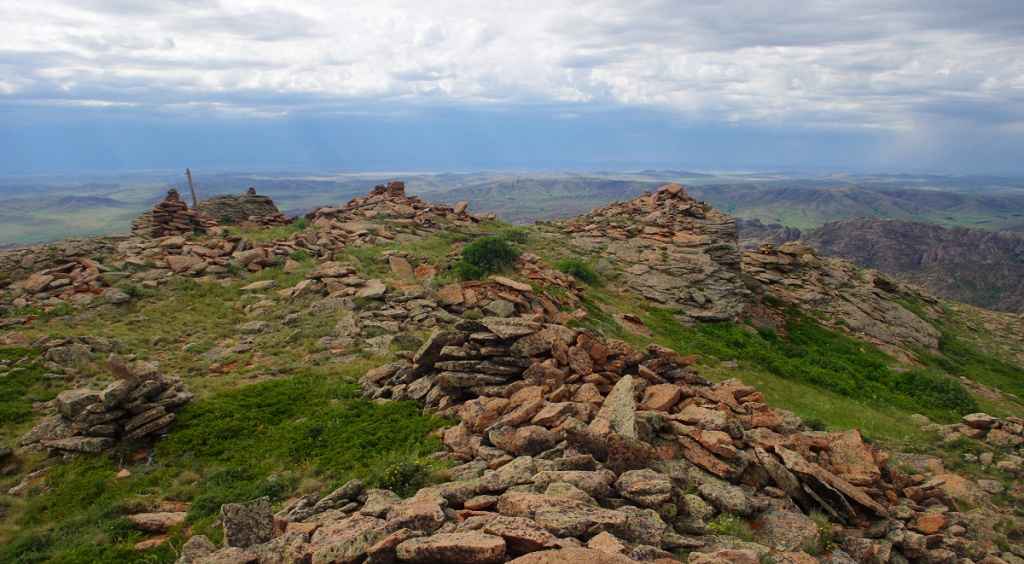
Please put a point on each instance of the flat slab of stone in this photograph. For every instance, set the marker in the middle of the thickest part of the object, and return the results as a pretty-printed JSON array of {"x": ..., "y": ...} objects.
[{"x": 475, "y": 547}]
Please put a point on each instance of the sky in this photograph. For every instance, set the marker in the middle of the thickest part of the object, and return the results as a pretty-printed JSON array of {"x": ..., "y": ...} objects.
[{"x": 460, "y": 85}]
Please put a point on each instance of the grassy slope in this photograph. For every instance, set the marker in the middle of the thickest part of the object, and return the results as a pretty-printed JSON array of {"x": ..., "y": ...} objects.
[{"x": 289, "y": 409}]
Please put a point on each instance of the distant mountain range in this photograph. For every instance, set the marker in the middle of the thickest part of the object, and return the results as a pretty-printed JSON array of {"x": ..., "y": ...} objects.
[{"x": 798, "y": 200}]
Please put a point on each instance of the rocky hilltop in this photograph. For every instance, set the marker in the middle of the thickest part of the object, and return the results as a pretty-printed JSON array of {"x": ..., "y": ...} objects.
[
  {"x": 675, "y": 251},
  {"x": 564, "y": 434}
]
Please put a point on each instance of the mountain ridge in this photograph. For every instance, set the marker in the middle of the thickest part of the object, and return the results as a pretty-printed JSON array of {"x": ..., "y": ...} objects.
[{"x": 579, "y": 414}]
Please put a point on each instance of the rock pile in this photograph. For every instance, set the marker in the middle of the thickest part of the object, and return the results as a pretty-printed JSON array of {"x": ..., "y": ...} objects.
[
  {"x": 137, "y": 406},
  {"x": 864, "y": 302},
  {"x": 248, "y": 209},
  {"x": 676, "y": 251},
  {"x": 170, "y": 216},
  {"x": 348, "y": 224},
  {"x": 588, "y": 450},
  {"x": 1004, "y": 436}
]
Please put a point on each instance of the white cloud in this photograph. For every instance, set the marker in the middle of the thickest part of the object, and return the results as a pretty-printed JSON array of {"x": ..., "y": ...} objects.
[{"x": 845, "y": 63}]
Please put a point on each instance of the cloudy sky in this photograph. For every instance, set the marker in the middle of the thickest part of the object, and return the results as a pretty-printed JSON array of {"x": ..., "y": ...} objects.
[{"x": 875, "y": 85}]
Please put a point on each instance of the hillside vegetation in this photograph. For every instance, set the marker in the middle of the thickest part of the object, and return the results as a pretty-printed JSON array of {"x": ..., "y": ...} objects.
[{"x": 327, "y": 351}]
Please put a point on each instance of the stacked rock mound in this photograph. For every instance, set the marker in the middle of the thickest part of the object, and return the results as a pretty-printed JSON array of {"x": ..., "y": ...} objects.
[
  {"x": 503, "y": 297},
  {"x": 866, "y": 301},
  {"x": 170, "y": 216},
  {"x": 578, "y": 449},
  {"x": 137, "y": 406},
  {"x": 676, "y": 251},
  {"x": 248, "y": 209},
  {"x": 348, "y": 225}
]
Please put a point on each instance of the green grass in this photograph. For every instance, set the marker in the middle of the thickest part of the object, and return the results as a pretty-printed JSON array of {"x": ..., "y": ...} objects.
[
  {"x": 225, "y": 449},
  {"x": 829, "y": 361},
  {"x": 963, "y": 359},
  {"x": 21, "y": 385},
  {"x": 271, "y": 233}
]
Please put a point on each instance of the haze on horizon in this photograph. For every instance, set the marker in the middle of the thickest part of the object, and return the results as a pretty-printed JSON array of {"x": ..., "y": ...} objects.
[{"x": 865, "y": 85}]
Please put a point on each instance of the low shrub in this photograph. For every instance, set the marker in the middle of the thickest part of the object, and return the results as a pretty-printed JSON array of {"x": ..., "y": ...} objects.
[
  {"x": 486, "y": 255},
  {"x": 578, "y": 269}
]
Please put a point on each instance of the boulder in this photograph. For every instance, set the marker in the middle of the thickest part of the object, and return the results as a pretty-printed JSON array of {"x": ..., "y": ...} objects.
[{"x": 249, "y": 523}]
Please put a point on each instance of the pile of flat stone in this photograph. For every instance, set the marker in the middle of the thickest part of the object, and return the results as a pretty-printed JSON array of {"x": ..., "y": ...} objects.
[
  {"x": 250, "y": 209},
  {"x": 171, "y": 216},
  {"x": 136, "y": 407},
  {"x": 675, "y": 251},
  {"x": 574, "y": 448},
  {"x": 500, "y": 296}
]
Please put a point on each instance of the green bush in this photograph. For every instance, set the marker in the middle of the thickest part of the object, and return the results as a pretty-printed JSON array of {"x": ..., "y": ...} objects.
[
  {"x": 578, "y": 269},
  {"x": 486, "y": 255},
  {"x": 299, "y": 255}
]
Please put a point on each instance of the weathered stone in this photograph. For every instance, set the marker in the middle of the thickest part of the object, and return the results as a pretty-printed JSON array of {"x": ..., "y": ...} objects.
[
  {"x": 474, "y": 547},
  {"x": 116, "y": 296},
  {"x": 730, "y": 499},
  {"x": 521, "y": 535},
  {"x": 419, "y": 513},
  {"x": 400, "y": 267},
  {"x": 523, "y": 441},
  {"x": 661, "y": 397},
  {"x": 595, "y": 483},
  {"x": 561, "y": 516},
  {"x": 195, "y": 549},
  {"x": 644, "y": 487},
  {"x": 157, "y": 522},
  {"x": 346, "y": 541},
  {"x": 619, "y": 408},
  {"x": 787, "y": 530},
  {"x": 642, "y": 526},
  {"x": 795, "y": 463},
  {"x": 70, "y": 403},
  {"x": 979, "y": 420},
  {"x": 249, "y": 523},
  {"x": 379, "y": 502},
  {"x": 69, "y": 356},
  {"x": 500, "y": 308}
]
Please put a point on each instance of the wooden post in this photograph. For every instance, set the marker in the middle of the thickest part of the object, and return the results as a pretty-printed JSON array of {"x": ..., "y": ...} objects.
[{"x": 195, "y": 202}]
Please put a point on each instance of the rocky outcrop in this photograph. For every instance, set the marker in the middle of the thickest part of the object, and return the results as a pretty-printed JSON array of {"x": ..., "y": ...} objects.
[
  {"x": 675, "y": 251},
  {"x": 862, "y": 302},
  {"x": 249, "y": 209},
  {"x": 753, "y": 234},
  {"x": 138, "y": 406},
  {"x": 571, "y": 446}
]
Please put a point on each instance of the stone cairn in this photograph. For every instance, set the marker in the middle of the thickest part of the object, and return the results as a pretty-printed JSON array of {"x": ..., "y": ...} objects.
[
  {"x": 137, "y": 406},
  {"x": 249, "y": 210},
  {"x": 170, "y": 216},
  {"x": 578, "y": 449}
]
